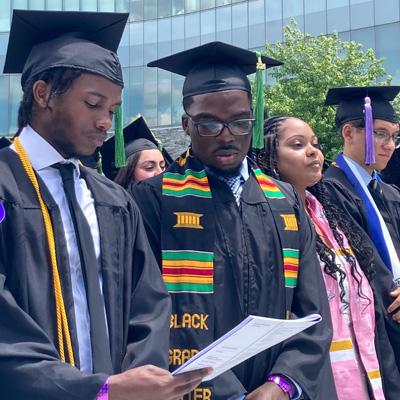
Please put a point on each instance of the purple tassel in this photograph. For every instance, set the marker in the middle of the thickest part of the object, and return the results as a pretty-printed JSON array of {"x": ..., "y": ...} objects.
[{"x": 369, "y": 133}]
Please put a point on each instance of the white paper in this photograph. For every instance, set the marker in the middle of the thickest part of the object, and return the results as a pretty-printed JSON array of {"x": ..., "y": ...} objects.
[{"x": 250, "y": 337}]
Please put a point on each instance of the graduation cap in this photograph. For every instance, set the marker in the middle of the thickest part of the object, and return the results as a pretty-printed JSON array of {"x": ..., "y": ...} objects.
[
  {"x": 368, "y": 103},
  {"x": 4, "y": 142},
  {"x": 138, "y": 137},
  {"x": 42, "y": 40},
  {"x": 218, "y": 66}
]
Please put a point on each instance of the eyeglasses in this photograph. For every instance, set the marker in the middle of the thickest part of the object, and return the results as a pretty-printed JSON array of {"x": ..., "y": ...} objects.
[
  {"x": 238, "y": 127},
  {"x": 384, "y": 137}
]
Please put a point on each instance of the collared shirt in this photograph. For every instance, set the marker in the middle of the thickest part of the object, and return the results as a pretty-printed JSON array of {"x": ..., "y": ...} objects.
[
  {"x": 42, "y": 156},
  {"x": 366, "y": 177}
]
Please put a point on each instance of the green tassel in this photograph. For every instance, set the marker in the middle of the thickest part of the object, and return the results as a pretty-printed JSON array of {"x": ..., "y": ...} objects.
[
  {"x": 258, "y": 129},
  {"x": 120, "y": 159}
]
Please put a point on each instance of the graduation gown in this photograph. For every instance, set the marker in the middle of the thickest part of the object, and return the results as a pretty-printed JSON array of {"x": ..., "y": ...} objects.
[
  {"x": 342, "y": 193},
  {"x": 387, "y": 331},
  {"x": 248, "y": 279},
  {"x": 136, "y": 302}
]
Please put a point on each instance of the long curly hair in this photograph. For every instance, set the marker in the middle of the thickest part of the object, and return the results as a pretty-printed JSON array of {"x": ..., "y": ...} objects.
[{"x": 268, "y": 162}]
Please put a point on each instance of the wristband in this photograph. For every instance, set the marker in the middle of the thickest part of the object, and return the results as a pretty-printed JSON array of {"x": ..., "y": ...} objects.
[
  {"x": 283, "y": 383},
  {"x": 103, "y": 393}
]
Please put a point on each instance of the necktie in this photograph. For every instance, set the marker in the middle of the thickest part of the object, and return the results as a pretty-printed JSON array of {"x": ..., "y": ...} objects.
[
  {"x": 376, "y": 192},
  {"x": 98, "y": 330},
  {"x": 235, "y": 184}
]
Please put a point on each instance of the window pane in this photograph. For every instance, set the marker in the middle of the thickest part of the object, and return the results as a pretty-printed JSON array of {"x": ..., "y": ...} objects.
[
  {"x": 388, "y": 46},
  {"x": 365, "y": 36},
  {"x": 122, "y": 5},
  {"x": 293, "y": 9},
  {"x": 136, "y": 13},
  {"x": 106, "y": 5},
  {"x": 150, "y": 96},
  {"x": 192, "y": 30},
  {"x": 315, "y": 16},
  {"x": 338, "y": 15},
  {"x": 164, "y": 98},
  {"x": 150, "y": 41},
  {"x": 136, "y": 42},
  {"x": 5, "y": 14},
  {"x": 256, "y": 24},
  {"x": 224, "y": 24},
  {"x": 54, "y": 5},
  {"x": 207, "y": 26},
  {"x": 222, "y": 2},
  {"x": 239, "y": 26},
  {"x": 389, "y": 12},
  {"x": 123, "y": 49},
  {"x": 164, "y": 8},
  {"x": 14, "y": 100},
  {"x": 273, "y": 18},
  {"x": 361, "y": 13},
  {"x": 4, "y": 100},
  {"x": 70, "y": 5},
  {"x": 136, "y": 91},
  {"x": 164, "y": 37},
  {"x": 177, "y": 110},
  {"x": 21, "y": 4},
  {"x": 36, "y": 4},
  {"x": 89, "y": 5},
  {"x": 178, "y": 34},
  {"x": 192, "y": 5},
  {"x": 207, "y": 4},
  {"x": 178, "y": 7},
  {"x": 3, "y": 49},
  {"x": 126, "y": 98},
  {"x": 150, "y": 9}
]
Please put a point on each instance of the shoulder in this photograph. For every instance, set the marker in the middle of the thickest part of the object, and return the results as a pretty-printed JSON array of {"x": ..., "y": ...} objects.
[{"x": 9, "y": 186}]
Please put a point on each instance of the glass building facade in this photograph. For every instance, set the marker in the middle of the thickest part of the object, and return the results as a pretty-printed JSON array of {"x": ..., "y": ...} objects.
[{"x": 158, "y": 28}]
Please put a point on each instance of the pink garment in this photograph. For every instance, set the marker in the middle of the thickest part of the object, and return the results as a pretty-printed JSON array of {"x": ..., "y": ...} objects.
[{"x": 353, "y": 354}]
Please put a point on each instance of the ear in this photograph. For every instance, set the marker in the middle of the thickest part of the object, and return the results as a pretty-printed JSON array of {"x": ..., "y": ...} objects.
[
  {"x": 41, "y": 93},
  {"x": 185, "y": 124},
  {"x": 348, "y": 131}
]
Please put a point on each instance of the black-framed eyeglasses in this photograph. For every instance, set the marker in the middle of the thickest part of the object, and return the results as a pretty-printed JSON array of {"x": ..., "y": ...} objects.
[{"x": 237, "y": 127}]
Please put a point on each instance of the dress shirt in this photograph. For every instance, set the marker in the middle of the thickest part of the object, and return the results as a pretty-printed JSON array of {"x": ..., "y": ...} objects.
[{"x": 42, "y": 157}]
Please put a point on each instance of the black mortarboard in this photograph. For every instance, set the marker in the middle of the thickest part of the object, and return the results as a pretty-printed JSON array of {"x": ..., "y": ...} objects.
[
  {"x": 4, "y": 142},
  {"x": 138, "y": 136},
  {"x": 213, "y": 67},
  {"x": 351, "y": 101},
  {"x": 41, "y": 40}
]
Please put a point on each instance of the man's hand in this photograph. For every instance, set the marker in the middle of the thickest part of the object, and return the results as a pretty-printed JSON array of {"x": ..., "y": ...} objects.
[
  {"x": 395, "y": 305},
  {"x": 268, "y": 391},
  {"x": 150, "y": 382}
]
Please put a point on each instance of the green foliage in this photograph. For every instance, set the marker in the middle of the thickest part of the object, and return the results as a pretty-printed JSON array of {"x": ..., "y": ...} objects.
[{"x": 312, "y": 65}]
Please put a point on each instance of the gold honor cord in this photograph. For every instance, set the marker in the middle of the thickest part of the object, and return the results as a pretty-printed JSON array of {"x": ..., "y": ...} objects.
[{"x": 62, "y": 321}]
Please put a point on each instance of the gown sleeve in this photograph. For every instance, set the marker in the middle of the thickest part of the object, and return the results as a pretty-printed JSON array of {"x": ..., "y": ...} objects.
[{"x": 148, "y": 337}]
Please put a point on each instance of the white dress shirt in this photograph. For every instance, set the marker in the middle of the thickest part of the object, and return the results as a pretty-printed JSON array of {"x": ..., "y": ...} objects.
[{"x": 42, "y": 156}]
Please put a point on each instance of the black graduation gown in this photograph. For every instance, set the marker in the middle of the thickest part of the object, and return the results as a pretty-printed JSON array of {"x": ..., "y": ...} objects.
[
  {"x": 137, "y": 304},
  {"x": 387, "y": 331},
  {"x": 391, "y": 174},
  {"x": 248, "y": 279},
  {"x": 342, "y": 193}
]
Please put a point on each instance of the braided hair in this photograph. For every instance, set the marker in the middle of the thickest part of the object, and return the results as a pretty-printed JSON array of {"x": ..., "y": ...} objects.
[
  {"x": 60, "y": 79},
  {"x": 336, "y": 217}
]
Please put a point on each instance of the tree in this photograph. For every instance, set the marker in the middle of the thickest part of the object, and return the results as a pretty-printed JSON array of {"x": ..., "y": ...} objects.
[{"x": 312, "y": 65}]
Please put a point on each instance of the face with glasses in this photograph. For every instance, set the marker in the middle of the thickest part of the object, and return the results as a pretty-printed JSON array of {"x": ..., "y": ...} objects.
[
  {"x": 386, "y": 140},
  {"x": 219, "y": 125}
]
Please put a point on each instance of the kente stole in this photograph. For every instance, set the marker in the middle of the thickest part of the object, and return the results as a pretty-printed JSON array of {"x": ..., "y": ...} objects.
[{"x": 188, "y": 228}]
